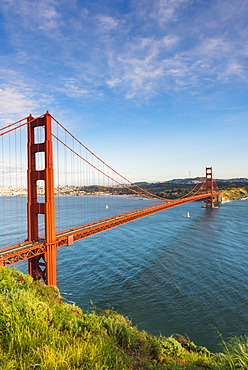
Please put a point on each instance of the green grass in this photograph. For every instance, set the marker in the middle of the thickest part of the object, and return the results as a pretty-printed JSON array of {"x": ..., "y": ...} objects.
[
  {"x": 39, "y": 331},
  {"x": 235, "y": 193}
]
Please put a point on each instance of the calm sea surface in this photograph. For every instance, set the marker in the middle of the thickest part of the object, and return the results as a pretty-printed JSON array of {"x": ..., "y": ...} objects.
[{"x": 167, "y": 273}]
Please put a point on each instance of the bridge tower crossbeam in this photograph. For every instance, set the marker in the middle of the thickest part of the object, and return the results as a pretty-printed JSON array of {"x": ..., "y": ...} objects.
[
  {"x": 44, "y": 265},
  {"x": 41, "y": 250}
]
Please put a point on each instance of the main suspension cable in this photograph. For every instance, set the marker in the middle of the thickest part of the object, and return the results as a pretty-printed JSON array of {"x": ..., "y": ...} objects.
[{"x": 118, "y": 174}]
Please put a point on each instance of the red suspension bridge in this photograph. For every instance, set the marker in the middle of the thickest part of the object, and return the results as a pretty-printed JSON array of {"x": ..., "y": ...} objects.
[{"x": 58, "y": 164}]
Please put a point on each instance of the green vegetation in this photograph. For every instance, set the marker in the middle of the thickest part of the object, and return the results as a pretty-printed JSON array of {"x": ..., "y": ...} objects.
[
  {"x": 235, "y": 193},
  {"x": 230, "y": 190},
  {"x": 167, "y": 190},
  {"x": 39, "y": 331}
]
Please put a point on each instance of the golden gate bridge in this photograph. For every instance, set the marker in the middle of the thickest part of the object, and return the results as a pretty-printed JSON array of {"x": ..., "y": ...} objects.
[{"x": 56, "y": 158}]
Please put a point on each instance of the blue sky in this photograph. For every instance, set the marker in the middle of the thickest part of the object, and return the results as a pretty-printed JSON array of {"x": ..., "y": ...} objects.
[{"x": 157, "y": 88}]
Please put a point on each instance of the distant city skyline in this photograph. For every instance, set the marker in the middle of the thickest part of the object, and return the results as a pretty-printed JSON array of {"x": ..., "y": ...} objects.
[{"x": 157, "y": 89}]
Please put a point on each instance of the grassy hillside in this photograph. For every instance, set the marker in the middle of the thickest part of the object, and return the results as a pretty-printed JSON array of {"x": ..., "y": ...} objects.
[
  {"x": 39, "y": 331},
  {"x": 235, "y": 193}
]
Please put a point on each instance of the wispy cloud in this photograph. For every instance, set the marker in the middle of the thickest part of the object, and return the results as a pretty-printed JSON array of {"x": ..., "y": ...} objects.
[
  {"x": 192, "y": 53},
  {"x": 17, "y": 99},
  {"x": 106, "y": 23},
  {"x": 162, "y": 11},
  {"x": 34, "y": 14},
  {"x": 139, "y": 66},
  {"x": 78, "y": 88},
  {"x": 158, "y": 46},
  {"x": 107, "y": 64}
]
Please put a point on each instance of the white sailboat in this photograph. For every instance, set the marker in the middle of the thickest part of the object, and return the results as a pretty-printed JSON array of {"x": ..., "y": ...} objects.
[{"x": 188, "y": 215}]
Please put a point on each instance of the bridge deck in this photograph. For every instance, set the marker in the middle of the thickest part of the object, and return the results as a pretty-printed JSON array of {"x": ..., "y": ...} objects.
[{"x": 26, "y": 250}]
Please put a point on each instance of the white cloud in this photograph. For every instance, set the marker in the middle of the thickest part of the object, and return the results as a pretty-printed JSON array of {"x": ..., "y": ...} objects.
[
  {"x": 192, "y": 55},
  {"x": 154, "y": 48},
  {"x": 76, "y": 87},
  {"x": 17, "y": 98},
  {"x": 214, "y": 47},
  {"x": 72, "y": 88},
  {"x": 15, "y": 101},
  {"x": 139, "y": 66},
  {"x": 106, "y": 23},
  {"x": 34, "y": 14},
  {"x": 162, "y": 11},
  {"x": 234, "y": 68}
]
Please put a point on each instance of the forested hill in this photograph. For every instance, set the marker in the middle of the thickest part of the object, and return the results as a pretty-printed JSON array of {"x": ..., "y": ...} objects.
[{"x": 179, "y": 187}]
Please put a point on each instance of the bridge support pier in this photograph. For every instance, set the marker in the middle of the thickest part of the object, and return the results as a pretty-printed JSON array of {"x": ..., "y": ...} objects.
[
  {"x": 210, "y": 202},
  {"x": 44, "y": 265}
]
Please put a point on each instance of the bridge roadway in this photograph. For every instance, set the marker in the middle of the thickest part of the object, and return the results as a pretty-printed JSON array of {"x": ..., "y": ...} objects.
[{"x": 22, "y": 251}]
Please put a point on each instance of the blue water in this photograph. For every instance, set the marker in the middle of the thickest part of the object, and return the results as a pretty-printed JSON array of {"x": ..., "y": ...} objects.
[{"x": 167, "y": 273}]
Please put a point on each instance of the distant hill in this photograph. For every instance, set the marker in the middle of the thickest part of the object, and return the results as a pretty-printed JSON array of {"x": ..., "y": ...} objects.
[
  {"x": 177, "y": 188},
  {"x": 240, "y": 179},
  {"x": 194, "y": 180}
]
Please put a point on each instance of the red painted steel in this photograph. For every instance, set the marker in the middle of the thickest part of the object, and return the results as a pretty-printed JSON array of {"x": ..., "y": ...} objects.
[
  {"x": 42, "y": 265},
  {"x": 24, "y": 251},
  {"x": 209, "y": 187},
  {"x": 41, "y": 251}
]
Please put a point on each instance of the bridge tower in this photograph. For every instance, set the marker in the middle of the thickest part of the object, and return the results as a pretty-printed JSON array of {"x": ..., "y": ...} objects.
[
  {"x": 209, "y": 187},
  {"x": 44, "y": 265}
]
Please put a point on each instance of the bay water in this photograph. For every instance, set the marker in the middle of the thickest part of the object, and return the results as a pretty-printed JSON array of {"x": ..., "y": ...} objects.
[{"x": 168, "y": 273}]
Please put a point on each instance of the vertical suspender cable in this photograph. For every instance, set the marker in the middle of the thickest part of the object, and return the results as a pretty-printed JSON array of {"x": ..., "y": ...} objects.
[
  {"x": 10, "y": 182},
  {"x": 16, "y": 186},
  {"x": 3, "y": 198},
  {"x": 58, "y": 180},
  {"x": 66, "y": 183},
  {"x": 80, "y": 184},
  {"x": 73, "y": 184}
]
